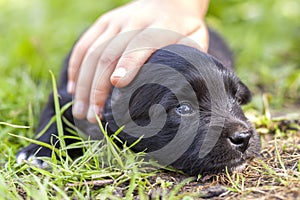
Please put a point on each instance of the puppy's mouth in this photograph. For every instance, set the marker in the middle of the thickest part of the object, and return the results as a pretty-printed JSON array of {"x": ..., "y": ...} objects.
[
  {"x": 237, "y": 164},
  {"x": 223, "y": 168},
  {"x": 239, "y": 168}
]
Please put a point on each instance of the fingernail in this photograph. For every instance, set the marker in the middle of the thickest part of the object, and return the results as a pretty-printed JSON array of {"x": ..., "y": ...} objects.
[
  {"x": 119, "y": 73},
  {"x": 93, "y": 111},
  {"x": 79, "y": 109},
  {"x": 71, "y": 87}
]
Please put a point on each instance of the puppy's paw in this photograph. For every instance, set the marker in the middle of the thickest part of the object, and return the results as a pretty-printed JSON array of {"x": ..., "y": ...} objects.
[{"x": 32, "y": 153}]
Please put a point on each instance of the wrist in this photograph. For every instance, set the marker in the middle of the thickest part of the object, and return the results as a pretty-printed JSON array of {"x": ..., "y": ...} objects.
[{"x": 197, "y": 8}]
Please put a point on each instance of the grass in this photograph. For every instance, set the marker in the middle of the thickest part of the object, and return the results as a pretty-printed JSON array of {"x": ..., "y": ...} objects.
[{"x": 35, "y": 37}]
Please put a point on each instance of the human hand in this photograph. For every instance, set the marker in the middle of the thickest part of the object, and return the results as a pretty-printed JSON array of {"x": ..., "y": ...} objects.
[{"x": 115, "y": 47}]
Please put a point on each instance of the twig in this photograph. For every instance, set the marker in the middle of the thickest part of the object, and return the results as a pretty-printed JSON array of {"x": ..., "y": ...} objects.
[{"x": 95, "y": 183}]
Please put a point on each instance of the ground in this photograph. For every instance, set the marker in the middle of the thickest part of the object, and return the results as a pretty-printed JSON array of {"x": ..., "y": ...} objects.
[{"x": 35, "y": 37}]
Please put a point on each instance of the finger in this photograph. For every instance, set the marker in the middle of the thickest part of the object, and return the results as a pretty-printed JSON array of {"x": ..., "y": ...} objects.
[
  {"x": 87, "y": 72},
  {"x": 99, "y": 94},
  {"x": 198, "y": 39},
  {"x": 138, "y": 51},
  {"x": 80, "y": 49},
  {"x": 101, "y": 84}
]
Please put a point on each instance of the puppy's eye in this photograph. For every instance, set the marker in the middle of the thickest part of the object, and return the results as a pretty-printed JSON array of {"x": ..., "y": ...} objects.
[
  {"x": 184, "y": 109},
  {"x": 239, "y": 100}
]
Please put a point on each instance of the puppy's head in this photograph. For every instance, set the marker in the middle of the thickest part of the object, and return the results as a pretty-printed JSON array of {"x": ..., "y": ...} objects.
[{"x": 187, "y": 108}]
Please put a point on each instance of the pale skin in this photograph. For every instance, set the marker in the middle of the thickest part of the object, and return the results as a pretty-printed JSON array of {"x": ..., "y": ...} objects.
[{"x": 114, "y": 48}]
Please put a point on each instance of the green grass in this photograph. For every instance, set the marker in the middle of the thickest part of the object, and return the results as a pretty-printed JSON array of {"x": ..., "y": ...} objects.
[{"x": 36, "y": 35}]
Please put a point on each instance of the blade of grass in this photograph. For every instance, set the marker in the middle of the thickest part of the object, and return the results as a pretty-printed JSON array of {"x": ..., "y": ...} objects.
[
  {"x": 13, "y": 125},
  {"x": 278, "y": 155},
  {"x": 112, "y": 147},
  {"x": 132, "y": 184},
  {"x": 235, "y": 185},
  {"x": 176, "y": 189},
  {"x": 59, "y": 124}
]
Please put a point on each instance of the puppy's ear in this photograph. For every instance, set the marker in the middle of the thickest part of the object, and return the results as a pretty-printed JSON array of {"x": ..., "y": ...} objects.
[{"x": 243, "y": 94}]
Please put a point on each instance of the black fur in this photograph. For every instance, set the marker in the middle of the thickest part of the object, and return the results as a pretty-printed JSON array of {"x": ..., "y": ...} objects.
[{"x": 236, "y": 143}]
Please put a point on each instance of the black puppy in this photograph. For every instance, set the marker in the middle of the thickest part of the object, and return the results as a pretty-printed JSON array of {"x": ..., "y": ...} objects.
[{"x": 184, "y": 104}]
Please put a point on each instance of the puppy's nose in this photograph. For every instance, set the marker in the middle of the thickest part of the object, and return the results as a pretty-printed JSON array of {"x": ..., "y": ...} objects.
[{"x": 240, "y": 140}]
